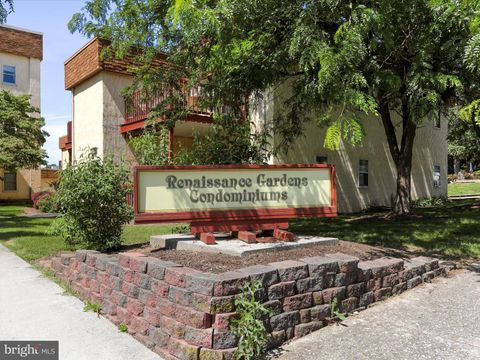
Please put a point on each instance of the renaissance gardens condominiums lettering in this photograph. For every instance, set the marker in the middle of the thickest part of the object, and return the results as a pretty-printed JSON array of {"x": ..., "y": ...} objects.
[{"x": 213, "y": 190}]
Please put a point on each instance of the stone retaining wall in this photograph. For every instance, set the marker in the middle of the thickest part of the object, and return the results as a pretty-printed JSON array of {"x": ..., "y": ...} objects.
[{"x": 182, "y": 313}]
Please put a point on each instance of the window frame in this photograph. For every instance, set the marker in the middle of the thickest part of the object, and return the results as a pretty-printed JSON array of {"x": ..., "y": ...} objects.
[
  {"x": 437, "y": 121},
  {"x": 318, "y": 157},
  {"x": 5, "y": 183},
  {"x": 437, "y": 183},
  {"x": 14, "y": 75},
  {"x": 363, "y": 172}
]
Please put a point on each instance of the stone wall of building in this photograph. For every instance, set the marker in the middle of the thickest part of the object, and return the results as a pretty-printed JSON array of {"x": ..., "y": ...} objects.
[{"x": 182, "y": 313}]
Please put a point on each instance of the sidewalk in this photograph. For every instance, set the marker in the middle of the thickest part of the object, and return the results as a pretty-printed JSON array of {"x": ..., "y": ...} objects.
[
  {"x": 435, "y": 321},
  {"x": 33, "y": 308}
]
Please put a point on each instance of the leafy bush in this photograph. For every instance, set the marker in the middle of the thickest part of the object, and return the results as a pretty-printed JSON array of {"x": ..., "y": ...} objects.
[
  {"x": 228, "y": 141},
  {"x": 48, "y": 204},
  {"x": 248, "y": 327},
  {"x": 38, "y": 196},
  {"x": 151, "y": 148},
  {"x": 92, "y": 197}
]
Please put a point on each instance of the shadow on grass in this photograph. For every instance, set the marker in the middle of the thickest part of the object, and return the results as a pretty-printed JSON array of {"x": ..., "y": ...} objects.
[{"x": 451, "y": 231}]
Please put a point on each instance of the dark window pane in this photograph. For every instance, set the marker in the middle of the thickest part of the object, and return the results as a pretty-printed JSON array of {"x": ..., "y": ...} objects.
[
  {"x": 10, "y": 182},
  {"x": 321, "y": 159}
]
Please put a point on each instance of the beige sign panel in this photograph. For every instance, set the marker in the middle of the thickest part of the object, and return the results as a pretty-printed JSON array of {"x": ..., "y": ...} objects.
[{"x": 233, "y": 189}]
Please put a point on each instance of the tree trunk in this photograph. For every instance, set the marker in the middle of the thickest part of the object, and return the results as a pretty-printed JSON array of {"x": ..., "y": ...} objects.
[
  {"x": 402, "y": 156},
  {"x": 456, "y": 165}
]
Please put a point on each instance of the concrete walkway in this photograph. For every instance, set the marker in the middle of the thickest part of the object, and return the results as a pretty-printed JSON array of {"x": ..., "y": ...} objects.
[
  {"x": 437, "y": 321},
  {"x": 32, "y": 307}
]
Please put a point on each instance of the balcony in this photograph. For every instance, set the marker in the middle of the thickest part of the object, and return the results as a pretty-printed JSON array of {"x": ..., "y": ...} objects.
[
  {"x": 137, "y": 108},
  {"x": 65, "y": 142}
]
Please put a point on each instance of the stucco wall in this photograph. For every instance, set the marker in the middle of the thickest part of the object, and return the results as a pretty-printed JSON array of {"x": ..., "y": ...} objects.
[
  {"x": 27, "y": 76},
  {"x": 430, "y": 149},
  {"x": 87, "y": 125},
  {"x": 25, "y": 178},
  {"x": 115, "y": 143}
]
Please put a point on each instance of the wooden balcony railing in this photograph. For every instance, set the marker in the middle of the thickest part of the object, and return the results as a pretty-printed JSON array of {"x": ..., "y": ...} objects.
[{"x": 137, "y": 107}]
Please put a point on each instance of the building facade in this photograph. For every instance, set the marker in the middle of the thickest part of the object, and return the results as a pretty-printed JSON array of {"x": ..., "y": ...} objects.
[
  {"x": 21, "y": 52},
  {"x": 366, "y": 174}
]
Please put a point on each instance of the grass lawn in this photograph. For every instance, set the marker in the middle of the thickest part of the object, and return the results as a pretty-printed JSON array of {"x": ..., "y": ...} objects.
[
  {"x": 28, "y": 237},
  {"x": 451, "y": 231},
  {"x": 462, "y": 189}
]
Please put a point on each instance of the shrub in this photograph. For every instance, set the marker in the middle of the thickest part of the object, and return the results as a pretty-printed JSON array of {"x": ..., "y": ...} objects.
[
  {"x": 430, "y": 202},
  {"x": 48, "y": 204},
  {"x": 92, "y": 197},
  {"x": 248, "y": 326},
  {"x": 451, "y": 178},
  {"x": 227, "y": 141},
  {"x": 39, "y": 195}
]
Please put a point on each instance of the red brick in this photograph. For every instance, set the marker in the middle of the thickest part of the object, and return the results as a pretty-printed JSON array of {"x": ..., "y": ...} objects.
[
  {"x": 172, "y": 327},
  {"x": 199, "y": 337},
  {"x": 222, "y": 321},
  {"x": 281, "y": 290},
  {"x": 182, "y": 350},
  {"x": 176, "y": 276},
  {"x": 305, "y": 329},
  {"x": 138, "y": 325},
  {"x": 184, "y": 314},
  {"x": 147, "y": 297},
  {"x": 331, "y": 293},
  {"x": 297, "y": 302},
  {"x": 124, "y": 258},
  {"x": 158, "y": 337},
  {"x": 207, "y": 238},
  {"x": 284, "y": 235},
  {"x": 134, "y": 306},
  {"x": 247, "y": 236},
  {"x": 159, "y": 287},
  {"x": 151, "y": 316}
]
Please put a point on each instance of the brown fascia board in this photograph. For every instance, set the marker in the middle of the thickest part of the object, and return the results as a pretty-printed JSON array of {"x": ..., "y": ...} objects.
[
  {"x": 86, "y": 62},
  {"x": 21, "y": 42}
]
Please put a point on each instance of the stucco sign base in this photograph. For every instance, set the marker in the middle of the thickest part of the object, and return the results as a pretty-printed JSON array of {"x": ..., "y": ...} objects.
[{"x": 233, "y": 247}]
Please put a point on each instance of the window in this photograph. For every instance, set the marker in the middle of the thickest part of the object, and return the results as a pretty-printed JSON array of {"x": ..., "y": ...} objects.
[
  {"x": 437, "y": 121},
  {"x": 10, "y": 181},
  {"x": 363, "y": 173},
  {"x": 9, "y": 74},
  {"x": 319, "y": 159},
  {"x": 436, "y": 176}
]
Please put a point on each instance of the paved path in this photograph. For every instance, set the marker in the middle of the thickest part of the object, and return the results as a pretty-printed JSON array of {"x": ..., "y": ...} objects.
[
  {"x": 32, "y": 307},
  {"x": 434, "y": 321}
]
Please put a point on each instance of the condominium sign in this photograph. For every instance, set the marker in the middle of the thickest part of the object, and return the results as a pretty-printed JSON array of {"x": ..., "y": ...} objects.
[{"x": 196, "y": 190}]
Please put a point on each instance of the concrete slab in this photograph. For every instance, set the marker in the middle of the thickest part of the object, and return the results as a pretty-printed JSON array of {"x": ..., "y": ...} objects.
[
  {"x": 33, "y": 307},
  {"x": 234, "y": 247}
]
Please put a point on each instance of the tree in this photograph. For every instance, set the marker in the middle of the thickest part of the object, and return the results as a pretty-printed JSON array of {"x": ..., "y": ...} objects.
[
  {"x": 463, "y": 143},
  {"x": 6, "y": 7},
  {"x": 394, "y": 59},
  {"x": 21, "y": 134}
]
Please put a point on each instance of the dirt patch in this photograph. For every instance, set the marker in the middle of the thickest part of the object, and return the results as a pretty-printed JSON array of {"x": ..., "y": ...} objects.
[{"x": 218, "y": 263}]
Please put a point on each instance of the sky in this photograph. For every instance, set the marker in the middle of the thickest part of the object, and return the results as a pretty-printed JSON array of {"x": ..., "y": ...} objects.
[{"x": 51, "y": 17}]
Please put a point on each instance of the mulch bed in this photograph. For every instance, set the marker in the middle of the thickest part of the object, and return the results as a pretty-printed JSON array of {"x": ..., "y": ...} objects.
[{"x": 218, "y": 263}]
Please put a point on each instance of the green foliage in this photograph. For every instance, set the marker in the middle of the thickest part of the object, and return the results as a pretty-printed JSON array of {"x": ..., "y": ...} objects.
[
  {"x": 344, "y": 62},
  {"x": 6, "y": 7},
  {"x": 91, "y": 306},
  {"x": 248, "y": 326},
  {"x": 21, "y": 135},
  {"x": 226, "y": 142},
  {"x": 335, "y": 314},
  {"x": 434, "y": 201},
  {"x": 49, "y": 204},
  {"x": 91, "y": 197},
  {"x": 151, "y": 148},
  {"x": 123, "y": 328}
]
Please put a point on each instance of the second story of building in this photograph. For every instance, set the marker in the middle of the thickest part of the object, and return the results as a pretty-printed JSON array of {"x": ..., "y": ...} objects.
[{"x": 21, "y": 52}]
